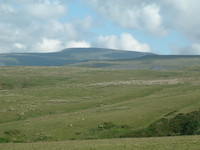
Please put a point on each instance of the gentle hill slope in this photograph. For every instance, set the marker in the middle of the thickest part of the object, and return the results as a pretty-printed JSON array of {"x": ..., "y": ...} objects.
[
  {"x": 148, "y": 62},
  {"x": 62, "y": 103},
  {"x": 101, "y": 58},
  {"x": 67, "y": 56}
]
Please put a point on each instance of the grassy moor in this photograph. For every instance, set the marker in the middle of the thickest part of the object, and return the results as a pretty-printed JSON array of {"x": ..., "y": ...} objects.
[{"x": 55, "y": 104}]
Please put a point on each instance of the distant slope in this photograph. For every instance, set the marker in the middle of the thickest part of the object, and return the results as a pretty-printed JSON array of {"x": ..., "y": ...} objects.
[
  {"x": 101, "y": 58},
  {"x": 152, "y": 62},
  {"x": 67, "y": 56}
]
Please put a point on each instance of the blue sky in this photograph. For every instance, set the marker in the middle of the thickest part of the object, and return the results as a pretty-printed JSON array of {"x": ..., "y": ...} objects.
[{"x": 162, "y": 27}]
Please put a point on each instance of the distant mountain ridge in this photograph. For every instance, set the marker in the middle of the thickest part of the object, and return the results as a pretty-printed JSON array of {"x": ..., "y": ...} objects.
[
  {"x": 68, "y": 56},
  {"x": 102, "y": 58}
]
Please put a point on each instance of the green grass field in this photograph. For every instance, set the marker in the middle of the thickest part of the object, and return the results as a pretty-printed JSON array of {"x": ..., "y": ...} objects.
[
  {"x": 48, "y": 104},
  {"x": 165, "y": 143}
]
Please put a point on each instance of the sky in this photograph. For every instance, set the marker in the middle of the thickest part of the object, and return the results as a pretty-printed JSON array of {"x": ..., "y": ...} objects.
[{"x": 157, "y": 26}]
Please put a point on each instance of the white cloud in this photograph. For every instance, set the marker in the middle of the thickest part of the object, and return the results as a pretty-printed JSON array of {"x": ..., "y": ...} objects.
[
  {"x": 152, "y": 20},
  {"x": 49, "y": 45},
  {"x": 132, "y": 14},
  {"x": 124, "y": 42},
  {"x": 77, "y": 44},
  {"x": 193, "y": 49},
  {"x": 196, "y": 47},
  {"x": 6, "y": 9},
  {"x": 46, "y": 9},
  {"x": 155, "y": 17},
  {"x": 36, "y": 25},
  {"x": 19, "y": 46},
  {"x": 184, "y": 16}
]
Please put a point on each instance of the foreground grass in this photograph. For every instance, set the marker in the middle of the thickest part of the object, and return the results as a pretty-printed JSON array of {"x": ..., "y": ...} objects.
[
  {"x": 164, "y": 143},
  {"x": 61, "y": 103}
]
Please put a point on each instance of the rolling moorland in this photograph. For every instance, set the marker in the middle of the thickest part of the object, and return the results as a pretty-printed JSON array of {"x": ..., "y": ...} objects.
[
  {"x": 101, "y": 58},
  {"x": 129, "y": 104},
  {"x": 67, "y": 56}
]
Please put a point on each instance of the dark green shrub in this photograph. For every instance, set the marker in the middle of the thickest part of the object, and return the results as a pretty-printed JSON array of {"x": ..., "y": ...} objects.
[
  {"x": 186, "y": 124},
  {"x": 176, "y": 124},
  {"x": 4, "y": 140},
  {"x": 190, "y": 127},
  {"x": 181, "y": 124}
]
